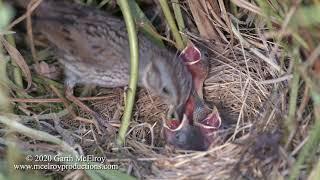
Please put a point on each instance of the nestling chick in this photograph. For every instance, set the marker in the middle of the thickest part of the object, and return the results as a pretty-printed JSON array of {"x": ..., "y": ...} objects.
[
  {"x": 183, "y": 135},
  {"x": 195, "y": 131}
]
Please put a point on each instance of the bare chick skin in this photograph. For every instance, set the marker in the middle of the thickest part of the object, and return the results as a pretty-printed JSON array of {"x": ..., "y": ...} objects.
[{"x": 93, "y": 47}]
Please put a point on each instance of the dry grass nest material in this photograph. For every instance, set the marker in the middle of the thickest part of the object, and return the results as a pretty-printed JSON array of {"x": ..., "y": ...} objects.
[
  {"x": 236, "y": 84},
  {"x": 249, "y": 106},
  {"x": 248, "y": 94}
]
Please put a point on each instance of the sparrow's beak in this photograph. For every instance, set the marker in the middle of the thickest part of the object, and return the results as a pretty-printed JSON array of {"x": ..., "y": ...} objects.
[
  {"x": 212, "y": 121},
  {"x": 173, "y": 125},
  {"x": 190, "y": 54},
  {"x": 197, "y": 65},
  {"x": 176, "y": 113},
  {"x": 209, "y": 125}
]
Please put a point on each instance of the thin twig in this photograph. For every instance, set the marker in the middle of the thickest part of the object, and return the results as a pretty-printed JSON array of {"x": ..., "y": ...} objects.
[{"x": 54, "y": 100}]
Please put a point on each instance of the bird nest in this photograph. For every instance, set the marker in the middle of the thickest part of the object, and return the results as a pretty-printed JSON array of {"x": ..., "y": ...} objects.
[{"x": 249, "y": 103}]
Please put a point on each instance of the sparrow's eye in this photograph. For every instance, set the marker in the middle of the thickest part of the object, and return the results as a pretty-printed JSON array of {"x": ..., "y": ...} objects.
[
  {"x": 165, "y": 91},
  {"x": 206, "y": 54}
]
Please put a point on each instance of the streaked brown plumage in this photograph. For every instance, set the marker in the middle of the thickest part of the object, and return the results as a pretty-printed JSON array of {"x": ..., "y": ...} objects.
[{"x": 93, "y": 47}]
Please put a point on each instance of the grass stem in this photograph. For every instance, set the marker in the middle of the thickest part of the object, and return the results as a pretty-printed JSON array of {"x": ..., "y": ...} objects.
[
  {"x": 175, "y": 32},
  {"x": 134, "y": 69},
  {"x": 179, "y": 18}
]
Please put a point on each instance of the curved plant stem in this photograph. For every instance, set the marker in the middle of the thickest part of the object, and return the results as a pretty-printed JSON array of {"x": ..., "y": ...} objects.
[
  {"x": 175, "y": 32},
  {"x": 134, "y": 65}
]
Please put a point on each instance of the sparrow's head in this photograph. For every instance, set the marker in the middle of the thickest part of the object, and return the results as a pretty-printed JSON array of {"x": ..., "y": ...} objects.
[{"x": 168, "y": 78}]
